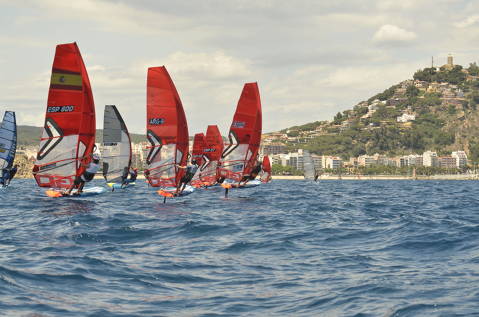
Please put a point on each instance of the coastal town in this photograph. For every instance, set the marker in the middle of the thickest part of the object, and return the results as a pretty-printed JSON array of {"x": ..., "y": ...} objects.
[{"x": 400, "y": 109}]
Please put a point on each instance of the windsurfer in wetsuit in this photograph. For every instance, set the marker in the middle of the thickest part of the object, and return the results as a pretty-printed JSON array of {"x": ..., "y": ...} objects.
[
  {"x": 190, "y": 172},
  {"x": 11, "y": 175},
  {"x": 87, "y": 175},
  {"x": 254, "y": 172},
  {"x": 5, "y": 176},
  {"x": 132, "y": 173},
  {"x": 8, "y": 174}
]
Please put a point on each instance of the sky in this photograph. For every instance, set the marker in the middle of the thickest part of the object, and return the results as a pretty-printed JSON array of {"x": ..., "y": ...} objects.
[{"x": 311, "y": 59}]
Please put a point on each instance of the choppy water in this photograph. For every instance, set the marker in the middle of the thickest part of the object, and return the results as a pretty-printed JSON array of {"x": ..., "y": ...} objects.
[{"x": 289, "y": 248}]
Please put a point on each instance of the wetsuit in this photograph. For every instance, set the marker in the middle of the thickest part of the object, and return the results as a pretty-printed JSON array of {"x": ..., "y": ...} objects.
[
  {"x": 255, "y": 172},
  {"x": 133, "y": 176},
  {"x": 190, "y": 172},
  {"x": 4, "y": 177},
  {"x": 87, "y": 176},
  {"x": 11, "y": 175}
]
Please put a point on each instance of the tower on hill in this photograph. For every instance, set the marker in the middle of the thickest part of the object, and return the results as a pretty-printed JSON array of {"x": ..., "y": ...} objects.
[{"x": 450, "y": 63}]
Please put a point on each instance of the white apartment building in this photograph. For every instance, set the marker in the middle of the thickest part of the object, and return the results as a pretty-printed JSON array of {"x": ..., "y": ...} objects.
[
  {"x": 429, "y": 159},
  {"x": 334, "y": 162},
  {"x": 461, "y": 158},
  {"x": 366, "y": 160},
  {"x": 414, "y": 160}
]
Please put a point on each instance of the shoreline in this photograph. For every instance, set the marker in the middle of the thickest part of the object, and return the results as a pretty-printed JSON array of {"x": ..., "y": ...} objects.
[
  {"x": 384, "y": 177},
  {"x": 352, "y": 177}
]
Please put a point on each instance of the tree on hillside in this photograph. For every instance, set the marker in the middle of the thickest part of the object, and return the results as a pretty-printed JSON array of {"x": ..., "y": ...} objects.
[
  {"x": 388, "y": 93},
  {"x": 426, "y": 74},
  {"x": 338, "y": 118},
  {"x": 473, "y": 69},
  {"x": 412, "y": 91}
]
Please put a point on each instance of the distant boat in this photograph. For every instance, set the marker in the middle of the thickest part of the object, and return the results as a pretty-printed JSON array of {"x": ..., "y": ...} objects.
[
  {"x": 8, "y": 142},
  {"x": 240, "y": 156},
  {"x": 266, "y": 170},
  {"x": 116, "y": 147},
  {"x": 167, "y": 132},
  {"x": 68, "y": 137}
]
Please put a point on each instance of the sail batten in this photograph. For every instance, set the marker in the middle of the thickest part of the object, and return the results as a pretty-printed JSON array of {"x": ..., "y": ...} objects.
[{"x": 68, "y": 136}]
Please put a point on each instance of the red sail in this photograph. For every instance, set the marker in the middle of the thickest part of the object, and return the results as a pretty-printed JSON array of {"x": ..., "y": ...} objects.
[
  {"x": 199, "y": 143},
  {"x": 239, "y": 157},
  {"x": 68, "y": 136},
  {"x": 214, "y": 142},
  {"x": 266, "y": 167},
  {"x": 211, "y": 156},
  {"x": 167, "y": 130}
]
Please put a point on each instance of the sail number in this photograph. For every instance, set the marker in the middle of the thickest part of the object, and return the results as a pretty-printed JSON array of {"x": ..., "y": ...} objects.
[
  {"x": 156, "y": 121},
  {"x": 238, "y": 124},
  {"x": 61, "y": 109}
]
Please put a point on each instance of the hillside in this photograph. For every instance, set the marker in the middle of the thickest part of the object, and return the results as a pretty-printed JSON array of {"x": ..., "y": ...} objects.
[
  {"x": 29, "y": 135},
  {"x": 436, "y": 110}
]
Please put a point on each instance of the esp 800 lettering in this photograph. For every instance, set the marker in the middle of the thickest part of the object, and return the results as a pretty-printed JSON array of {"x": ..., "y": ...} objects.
[{"x": 61, "y": 109}]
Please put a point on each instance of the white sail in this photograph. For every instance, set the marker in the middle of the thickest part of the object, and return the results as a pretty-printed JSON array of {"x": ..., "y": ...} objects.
[
  {"x": 308, "y": 166},
  {"x": 116, "y": 146}
]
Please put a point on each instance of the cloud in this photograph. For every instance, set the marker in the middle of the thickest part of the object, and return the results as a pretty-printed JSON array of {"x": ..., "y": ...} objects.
[
  {"x": 214, "y": 66},
  {"x": 469, "y": 21},
  {"x": 114, "y": 17},
  {"x": 393, "y": 34}
]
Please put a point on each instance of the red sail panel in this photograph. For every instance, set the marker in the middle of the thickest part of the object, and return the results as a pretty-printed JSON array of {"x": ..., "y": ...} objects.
[
  {"x": 68, "y": 136},
  {"x": 240, "y": 155},
  {"x": 167, "y": 130},
  {"x": 266, "y": 168}
]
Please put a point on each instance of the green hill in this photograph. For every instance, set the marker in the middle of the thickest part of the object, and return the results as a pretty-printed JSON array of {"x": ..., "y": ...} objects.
[
  {"x": 439, "y": 108},
  {"x": 29, "y": 135}
]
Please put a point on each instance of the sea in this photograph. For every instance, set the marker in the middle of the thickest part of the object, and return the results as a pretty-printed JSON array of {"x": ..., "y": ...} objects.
[{"x": 287, "y": 248}]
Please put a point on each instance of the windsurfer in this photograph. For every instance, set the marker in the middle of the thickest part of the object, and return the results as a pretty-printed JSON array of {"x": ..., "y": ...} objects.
[
  {"x": 87, "y": 176},
  {"x": 8, "y": 174},
  {"x": 190, "y": 172},
  {"x": 132, "y": 173},
  {"x": 254, "y": 172}
]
